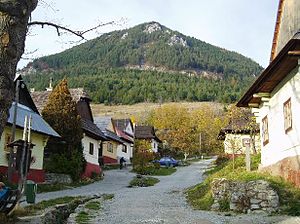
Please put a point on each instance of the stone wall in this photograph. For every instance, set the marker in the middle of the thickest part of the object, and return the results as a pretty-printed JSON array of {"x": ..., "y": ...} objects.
[
  {"x": 54, "y": 178},
  {"x": 253, "y": 196}
]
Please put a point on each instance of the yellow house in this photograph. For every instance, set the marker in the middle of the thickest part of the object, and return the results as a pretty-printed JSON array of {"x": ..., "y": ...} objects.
[
  {"x": 40, "y": 132},
  {"x": 111, "y": 147}
]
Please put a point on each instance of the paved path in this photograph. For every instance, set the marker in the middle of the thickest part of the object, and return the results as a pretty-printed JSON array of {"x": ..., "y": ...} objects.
[{"x": 163, "y": 203}]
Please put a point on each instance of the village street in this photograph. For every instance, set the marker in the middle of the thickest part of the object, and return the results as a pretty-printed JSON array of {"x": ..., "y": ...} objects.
[{"x": 162, "y": 203}]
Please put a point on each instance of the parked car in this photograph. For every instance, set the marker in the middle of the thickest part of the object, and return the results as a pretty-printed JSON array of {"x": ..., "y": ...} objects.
[{"x": 167, "y": 161}]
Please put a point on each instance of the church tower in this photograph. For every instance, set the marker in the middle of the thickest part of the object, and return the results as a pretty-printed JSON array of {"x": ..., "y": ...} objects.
[{"x": 287, "y": 24}]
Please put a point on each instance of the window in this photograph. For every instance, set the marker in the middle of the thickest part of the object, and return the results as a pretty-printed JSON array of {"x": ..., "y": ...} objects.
[
  {"x": 91, "y": 148},
  {"x": 110, "y": 147},
  {"x": 265, "y": 131},
  {"x": 124, "y": 148},
  {"x": 287, "y": 113},
  {"x": 7, "y": 141}
]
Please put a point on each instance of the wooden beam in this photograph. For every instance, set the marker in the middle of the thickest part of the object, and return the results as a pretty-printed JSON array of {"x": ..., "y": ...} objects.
[{"x": 294, "y": 53}]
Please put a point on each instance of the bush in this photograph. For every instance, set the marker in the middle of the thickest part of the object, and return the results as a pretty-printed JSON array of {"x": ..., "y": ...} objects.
[{"x": 61, "y": 163}]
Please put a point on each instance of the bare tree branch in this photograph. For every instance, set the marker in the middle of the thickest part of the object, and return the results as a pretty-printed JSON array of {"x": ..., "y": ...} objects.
[{"x": 76, "y": 33}]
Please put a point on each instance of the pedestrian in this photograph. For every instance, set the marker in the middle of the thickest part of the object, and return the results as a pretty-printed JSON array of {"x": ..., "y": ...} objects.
[{"x": 122, "y": 160}]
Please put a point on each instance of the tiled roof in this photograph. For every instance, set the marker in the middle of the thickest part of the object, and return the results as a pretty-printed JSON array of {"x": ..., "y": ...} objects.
[
  {"x": 92, "y": 129},
  {"x": 38, "y": 123},
  {"x": 40, "y": 98},
  {"x": 145, "y": 132}
]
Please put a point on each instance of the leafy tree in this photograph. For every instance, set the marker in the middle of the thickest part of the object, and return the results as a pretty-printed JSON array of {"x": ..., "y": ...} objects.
[
  {"x": 174, "y": 126},
  {"x": 142, "y": 155},
  {"x": 60, "y": 112}
]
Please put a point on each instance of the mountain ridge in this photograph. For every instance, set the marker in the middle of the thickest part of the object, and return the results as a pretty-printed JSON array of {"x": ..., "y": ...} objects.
[{"x": 149, "y": 47}]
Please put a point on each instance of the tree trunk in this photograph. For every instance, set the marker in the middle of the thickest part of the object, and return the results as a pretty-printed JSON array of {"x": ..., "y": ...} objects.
[{"x": 14, "y": 16}]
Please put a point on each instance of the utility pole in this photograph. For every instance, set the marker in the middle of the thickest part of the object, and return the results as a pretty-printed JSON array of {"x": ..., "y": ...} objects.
[
  {"x": 200, "y": 143},
  {"x": 248, "y": 160}
]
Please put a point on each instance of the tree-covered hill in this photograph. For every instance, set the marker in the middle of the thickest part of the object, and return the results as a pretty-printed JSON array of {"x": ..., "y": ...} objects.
[{"x": 173, "y": 67}]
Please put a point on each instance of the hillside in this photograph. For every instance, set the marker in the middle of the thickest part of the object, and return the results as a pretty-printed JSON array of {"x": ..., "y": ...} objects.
[{"x": 148, "y": 62}]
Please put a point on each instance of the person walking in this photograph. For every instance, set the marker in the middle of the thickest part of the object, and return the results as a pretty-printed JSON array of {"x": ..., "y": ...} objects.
[{"x": 122, "y": 161}]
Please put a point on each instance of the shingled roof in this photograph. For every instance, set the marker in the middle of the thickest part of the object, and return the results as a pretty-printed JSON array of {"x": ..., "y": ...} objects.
[
  {"x": 92, "y": 129},
  {"x": 145, "y": 132},
  {"x": 40, "y": 98}
]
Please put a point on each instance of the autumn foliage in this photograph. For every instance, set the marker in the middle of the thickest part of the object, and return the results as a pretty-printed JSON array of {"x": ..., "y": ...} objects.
[
  {"x": 60, "y": 112},
  {"x": 66, "y": 155}
]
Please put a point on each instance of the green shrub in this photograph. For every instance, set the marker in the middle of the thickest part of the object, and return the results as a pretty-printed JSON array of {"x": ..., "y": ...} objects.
[{"x": 61, "y": 163}]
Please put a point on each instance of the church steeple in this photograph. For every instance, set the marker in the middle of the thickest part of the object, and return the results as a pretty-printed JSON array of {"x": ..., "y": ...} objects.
[{"x": 287, "y": 24}]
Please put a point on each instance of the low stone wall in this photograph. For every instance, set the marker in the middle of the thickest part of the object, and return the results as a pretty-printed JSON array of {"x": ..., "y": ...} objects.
[
  {"x": 253, "y": 196},
  {"x": 54, "y": 178}
]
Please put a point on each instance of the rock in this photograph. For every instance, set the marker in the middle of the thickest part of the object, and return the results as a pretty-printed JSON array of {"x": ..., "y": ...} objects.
[{"x": 152, "y": 27}]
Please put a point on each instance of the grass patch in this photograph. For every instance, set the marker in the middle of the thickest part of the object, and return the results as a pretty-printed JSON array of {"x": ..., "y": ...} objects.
[
  {"x": 143, "y": 182},
  {"x": 82, "y": 217},
  {"x": 156, "y": 171},
  {"x": 162, "y": 171},
  {"x": 111, "y": 166},
  {"x": 93, "y": 205},
  {"x": 108, "y": 196},
  {"x": 43, "y": 188},
  {"x": 200, "y": 196},
  {"x": 34, "y": 209}
]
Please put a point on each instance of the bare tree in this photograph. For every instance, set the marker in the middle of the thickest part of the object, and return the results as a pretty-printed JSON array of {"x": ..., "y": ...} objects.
[
  {"x": 14, "y": 17},
  {"x": 14, "y": 22}
]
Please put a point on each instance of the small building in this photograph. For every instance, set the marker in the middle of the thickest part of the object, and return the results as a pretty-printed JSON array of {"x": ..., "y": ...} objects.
[
  {"x": 237, "y": 134},
  {"x": 275, "y": 98},
  {"x": 92, "y": 136},
  {"x": 115, "y": 147},
  {"x": 40, "y": 133},
  {"x": 148, "y": 133},
  {"x": 124, "y": 129}
]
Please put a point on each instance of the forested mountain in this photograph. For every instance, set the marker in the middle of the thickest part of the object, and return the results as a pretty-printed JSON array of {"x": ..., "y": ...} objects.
[{"x": 148, "y": 62}]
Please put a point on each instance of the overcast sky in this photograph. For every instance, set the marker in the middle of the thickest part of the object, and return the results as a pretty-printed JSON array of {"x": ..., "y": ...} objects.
[{"x": 239, "y": 25}]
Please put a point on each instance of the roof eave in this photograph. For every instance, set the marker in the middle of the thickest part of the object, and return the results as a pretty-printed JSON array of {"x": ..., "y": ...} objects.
[{"x": 273, "y": 66}]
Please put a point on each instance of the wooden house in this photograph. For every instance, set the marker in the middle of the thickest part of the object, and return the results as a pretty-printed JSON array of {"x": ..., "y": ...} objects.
[
  {"x": 92, "y": 135},
  {"x": 40, "y": 133},
  {"x": 275, "y": 98},
  {"x": 147, "y": 133}
]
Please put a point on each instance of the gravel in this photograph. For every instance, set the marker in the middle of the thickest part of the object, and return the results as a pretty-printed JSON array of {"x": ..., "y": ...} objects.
[{"x": 163, "y": 203}]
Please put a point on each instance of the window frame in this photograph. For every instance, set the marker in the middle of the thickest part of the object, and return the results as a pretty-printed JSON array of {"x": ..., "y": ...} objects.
[
  {"x": 124, "y": 148},
  {"x": 265, "y": 131},
  {"x": 110, "y": 147},
  {"x": 287, "y": 116},
  {"x": 91, "y": 148}
]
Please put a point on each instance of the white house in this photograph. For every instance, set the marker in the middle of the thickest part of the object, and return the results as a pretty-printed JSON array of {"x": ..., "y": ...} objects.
[
  {"x": 124, "y": 129},
  {"x": 275, "y": 98}
]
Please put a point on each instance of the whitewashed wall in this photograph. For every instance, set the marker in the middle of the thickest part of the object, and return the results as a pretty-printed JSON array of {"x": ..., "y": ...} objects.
[
  {"x": 233, "y": 143},
  {"x": 282, "y": 145},
  {"x": 93, "y": 159}
]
